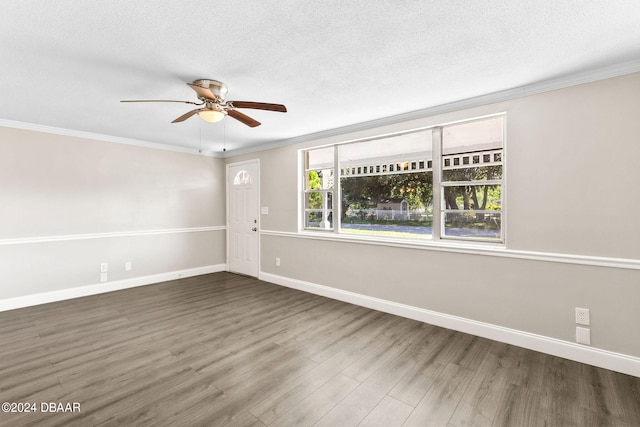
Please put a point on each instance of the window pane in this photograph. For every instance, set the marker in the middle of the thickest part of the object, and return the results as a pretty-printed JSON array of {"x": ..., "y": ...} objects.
[
  {"x": 318, "y": 200},
  {"x": 387, "y": 186},
  {"x": 472, "y": 153},
  {"x": 318, "y": 220},
  {"x": 473, "y": 197},
  {"x": 321, "y": 179},
  {"x": 318, "y": 210},
  {"x": 397, "y": 205},
  {"x": 242, "y": 178},
  {"x": 473, "y": 225}
]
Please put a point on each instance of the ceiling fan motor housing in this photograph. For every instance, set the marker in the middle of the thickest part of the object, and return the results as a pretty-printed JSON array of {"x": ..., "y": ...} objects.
[{"x": 219, "y": 89}]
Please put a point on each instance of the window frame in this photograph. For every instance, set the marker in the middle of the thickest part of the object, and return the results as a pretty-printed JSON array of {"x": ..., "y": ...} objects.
[
  {"x": 325, "y": 210},
  {"x": 438, "y": 236}
]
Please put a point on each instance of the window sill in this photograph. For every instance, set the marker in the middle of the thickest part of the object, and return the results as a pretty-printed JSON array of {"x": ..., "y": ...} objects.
[{"x": 456, "y": 245}]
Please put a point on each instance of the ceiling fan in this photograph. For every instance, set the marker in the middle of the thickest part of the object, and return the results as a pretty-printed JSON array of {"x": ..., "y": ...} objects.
[{"x": 211, "y": 94}]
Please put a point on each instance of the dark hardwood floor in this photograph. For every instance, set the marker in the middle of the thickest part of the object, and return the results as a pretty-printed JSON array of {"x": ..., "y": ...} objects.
[{"x": 223, "y": 349}]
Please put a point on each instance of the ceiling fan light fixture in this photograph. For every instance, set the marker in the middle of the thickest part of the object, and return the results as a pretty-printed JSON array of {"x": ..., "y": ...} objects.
[
  {"x": 211, "y": 116},
  {"x": 213, "y": 106}
]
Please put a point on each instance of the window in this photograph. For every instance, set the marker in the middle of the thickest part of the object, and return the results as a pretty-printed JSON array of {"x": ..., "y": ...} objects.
[
  {"x": 242, "y": 178},
  {"x": 318, "y": 189},
  {"x": 472, "y": 180},
  {"x": 386, "y": 186}
]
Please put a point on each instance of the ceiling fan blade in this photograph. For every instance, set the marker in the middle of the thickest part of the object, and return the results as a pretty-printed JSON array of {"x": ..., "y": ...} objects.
[
  {"x": 185, "y": 116},
  {"x": 203, "y": 92},
  {"x": 259, "y": 106},
  {"x": 160, "y": 100},
  {"x": 243, "y": 118}
]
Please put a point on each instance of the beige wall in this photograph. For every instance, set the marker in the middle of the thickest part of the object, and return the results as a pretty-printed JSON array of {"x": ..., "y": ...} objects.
[
  {"x": 572, "y": 174},
  {"x": 69, "y": 204}
]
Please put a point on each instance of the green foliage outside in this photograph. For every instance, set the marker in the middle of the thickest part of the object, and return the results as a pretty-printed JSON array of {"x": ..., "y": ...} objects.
[
  {"x": 367, "y": 191},
  {"x": 473, "y": 197},
  {"x": 420, "y": 223},
  {"x": 473, "y": 220},
  {"x": 314, "y": 182}
]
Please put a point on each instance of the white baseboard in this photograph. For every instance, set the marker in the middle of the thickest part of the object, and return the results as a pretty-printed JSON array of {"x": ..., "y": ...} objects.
[
  {"x": 593, "y": 356},
  {"x": 100, "y": 288}
]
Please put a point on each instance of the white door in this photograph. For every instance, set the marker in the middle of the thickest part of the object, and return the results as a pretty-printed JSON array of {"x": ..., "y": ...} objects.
[{"x": 242, "y": 214}]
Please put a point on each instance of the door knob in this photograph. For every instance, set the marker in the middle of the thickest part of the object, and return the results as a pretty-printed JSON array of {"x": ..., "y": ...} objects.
[{"x": 254, "y": 229}]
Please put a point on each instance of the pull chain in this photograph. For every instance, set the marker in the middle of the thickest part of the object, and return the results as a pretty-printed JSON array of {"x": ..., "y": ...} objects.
[{"x": 200, "y": 150}]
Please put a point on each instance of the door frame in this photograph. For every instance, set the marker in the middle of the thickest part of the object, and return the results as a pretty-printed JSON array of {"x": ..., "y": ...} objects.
[{"x": 227, "y": 187}]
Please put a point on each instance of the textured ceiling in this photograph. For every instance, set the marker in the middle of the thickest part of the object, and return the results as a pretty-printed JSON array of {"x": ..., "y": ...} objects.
[{"x": 334, "y": 63}]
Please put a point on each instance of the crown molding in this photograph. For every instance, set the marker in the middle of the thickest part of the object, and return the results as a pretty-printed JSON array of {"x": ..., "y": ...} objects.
[{"x": 101, "y": 137}]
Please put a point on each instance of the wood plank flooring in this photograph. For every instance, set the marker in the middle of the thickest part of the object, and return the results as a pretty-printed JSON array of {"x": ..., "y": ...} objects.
[{"x": 227, "y": 350}]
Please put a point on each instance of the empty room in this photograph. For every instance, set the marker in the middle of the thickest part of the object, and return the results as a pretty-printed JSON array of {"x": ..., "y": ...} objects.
[{"x": 297, "y": 213}]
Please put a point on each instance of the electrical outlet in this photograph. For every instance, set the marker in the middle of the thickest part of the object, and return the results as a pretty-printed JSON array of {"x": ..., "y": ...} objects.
[
  {"x": 583, "y": 335},
  {"x": 582, "y": 316},
  {"x": 103, "y": 277},
  {"x": 127, "y": 266},
  {"x": 277, "y": 262},
  {"x": 104, "y": 267}
]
